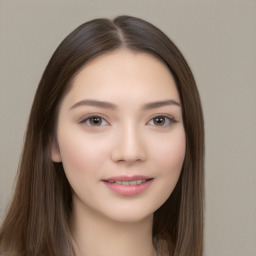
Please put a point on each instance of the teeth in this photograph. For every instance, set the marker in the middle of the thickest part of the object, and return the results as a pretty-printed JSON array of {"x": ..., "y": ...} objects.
[
  {"x": 128, "y": 183},
  {"x": 134, "y": 182}
]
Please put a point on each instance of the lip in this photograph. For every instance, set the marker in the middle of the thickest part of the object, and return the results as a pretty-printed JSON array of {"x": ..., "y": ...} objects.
[
  {"x": 128, "y": 178},
  {"x": 128, "y": 190}
]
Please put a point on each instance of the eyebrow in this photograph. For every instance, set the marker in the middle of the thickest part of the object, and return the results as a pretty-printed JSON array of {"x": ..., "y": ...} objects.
[
  {"x": 159, "y": 104},
  {"x": 94, "y": 103},
  {"x": 109, "y": 105}
]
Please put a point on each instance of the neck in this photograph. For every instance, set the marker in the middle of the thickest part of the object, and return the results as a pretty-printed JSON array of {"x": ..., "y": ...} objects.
[{"x": 95, "y": 234}]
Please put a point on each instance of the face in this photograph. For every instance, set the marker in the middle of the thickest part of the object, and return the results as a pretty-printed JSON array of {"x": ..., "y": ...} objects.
[{"x": 120, "y": 136}]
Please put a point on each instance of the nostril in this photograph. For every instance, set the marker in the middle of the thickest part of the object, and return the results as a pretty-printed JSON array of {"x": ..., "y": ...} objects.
[
  {"x": 128, "y": 145},
  {"x": 128, "y": 156}
]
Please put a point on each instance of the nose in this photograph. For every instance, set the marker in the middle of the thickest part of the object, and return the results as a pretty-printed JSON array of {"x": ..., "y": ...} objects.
[{"x": 129, "y": 146}]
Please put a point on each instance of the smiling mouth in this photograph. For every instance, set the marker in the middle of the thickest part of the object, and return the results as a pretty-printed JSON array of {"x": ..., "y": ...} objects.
[
  {"x": 128, "y": 186},
  {"x": 128, "y": 183}
]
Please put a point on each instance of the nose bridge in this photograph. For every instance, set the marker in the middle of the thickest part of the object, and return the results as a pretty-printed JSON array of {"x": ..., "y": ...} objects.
[{"x": 129, "y": 146}]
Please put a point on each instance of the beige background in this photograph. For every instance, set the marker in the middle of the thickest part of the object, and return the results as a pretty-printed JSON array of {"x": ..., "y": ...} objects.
[{"x": 218, "y": 38}]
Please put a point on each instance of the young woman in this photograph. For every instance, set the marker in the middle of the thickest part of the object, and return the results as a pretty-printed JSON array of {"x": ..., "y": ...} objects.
[{"x": 113, "y": 157}]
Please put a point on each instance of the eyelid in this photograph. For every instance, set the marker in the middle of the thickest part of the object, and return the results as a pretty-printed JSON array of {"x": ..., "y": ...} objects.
[
  {"x": 87, "y": 117},
  {"x": 170, "y": 118}
]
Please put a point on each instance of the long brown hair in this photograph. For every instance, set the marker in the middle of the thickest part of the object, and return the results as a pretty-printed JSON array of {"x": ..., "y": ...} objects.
[{"x": 37, "y": 222}]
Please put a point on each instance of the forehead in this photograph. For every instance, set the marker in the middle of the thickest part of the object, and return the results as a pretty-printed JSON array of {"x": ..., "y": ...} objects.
[{"x": 122, "y": 73}]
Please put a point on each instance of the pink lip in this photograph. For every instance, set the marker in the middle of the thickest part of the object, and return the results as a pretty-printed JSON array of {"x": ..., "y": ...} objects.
[
  {"x": 128, "y": 190},
  {"x": 128, "y": 178}
]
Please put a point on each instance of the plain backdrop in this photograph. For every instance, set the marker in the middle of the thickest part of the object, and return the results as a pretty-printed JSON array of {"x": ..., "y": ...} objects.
[{"x": 218, "y": 38}]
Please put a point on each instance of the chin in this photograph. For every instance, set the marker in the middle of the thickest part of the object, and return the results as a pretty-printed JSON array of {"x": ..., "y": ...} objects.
[
  {"x": 129, "y": 215},
  {"x": 132, "y": 219}
]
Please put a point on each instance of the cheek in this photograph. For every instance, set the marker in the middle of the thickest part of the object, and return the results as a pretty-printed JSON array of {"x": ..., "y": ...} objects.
[
  {"x": 170, "y": 154},
  {"x": 82, "y": 160},
  {"x": 167, "y": 153},
  {"x": 169, "y": 159},
  {"x": 172, "y": 159},
  {"x": 82, "y": 155}
]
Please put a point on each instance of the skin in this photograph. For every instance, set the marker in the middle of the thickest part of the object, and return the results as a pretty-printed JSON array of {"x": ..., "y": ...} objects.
[{"x": 127, "y": 139}]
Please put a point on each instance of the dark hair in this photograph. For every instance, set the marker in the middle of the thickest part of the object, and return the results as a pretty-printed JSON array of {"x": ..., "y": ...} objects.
[{"x": 37, "y": 222}]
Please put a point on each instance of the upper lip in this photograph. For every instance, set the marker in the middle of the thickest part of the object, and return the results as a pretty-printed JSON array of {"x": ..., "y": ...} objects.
[{"x": 128, "y": 178}]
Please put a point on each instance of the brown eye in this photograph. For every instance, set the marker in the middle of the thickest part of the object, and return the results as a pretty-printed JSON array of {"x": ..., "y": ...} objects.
[
  {"x": 159, "y": 121},
  {"x": 95, "y": 121}
]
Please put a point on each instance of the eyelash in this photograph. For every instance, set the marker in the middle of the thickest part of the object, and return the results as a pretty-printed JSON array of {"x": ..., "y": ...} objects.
[
  {"x": 168, "y": 120},
  {"x": 90, "y": 118}
]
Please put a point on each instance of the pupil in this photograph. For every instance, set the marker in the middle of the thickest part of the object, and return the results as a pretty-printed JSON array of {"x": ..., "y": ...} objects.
[
  {"x": 95, "y": 120},
  {"x": 159, "y": 120}
]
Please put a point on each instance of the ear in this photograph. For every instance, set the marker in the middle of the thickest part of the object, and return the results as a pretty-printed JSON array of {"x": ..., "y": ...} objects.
[{"x": 55, "y": 152}]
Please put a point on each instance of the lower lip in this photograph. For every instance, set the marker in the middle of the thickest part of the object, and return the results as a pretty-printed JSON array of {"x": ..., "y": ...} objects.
[{"x": 128, "y": 190}]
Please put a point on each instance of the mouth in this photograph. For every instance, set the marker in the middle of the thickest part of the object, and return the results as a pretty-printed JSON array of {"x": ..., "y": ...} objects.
[{"x": 128, "y": 185}]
